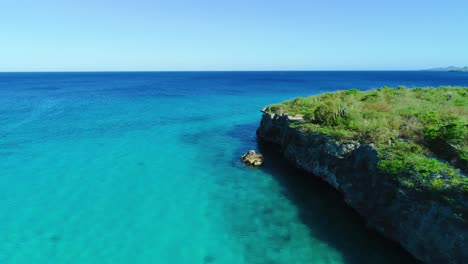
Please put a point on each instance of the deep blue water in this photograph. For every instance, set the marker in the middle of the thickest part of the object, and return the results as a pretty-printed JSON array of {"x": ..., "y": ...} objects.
[{"x": 144, "y": 168}]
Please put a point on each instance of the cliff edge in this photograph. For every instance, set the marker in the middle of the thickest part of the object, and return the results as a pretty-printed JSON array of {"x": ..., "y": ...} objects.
[{"x": 423, "y": 209}]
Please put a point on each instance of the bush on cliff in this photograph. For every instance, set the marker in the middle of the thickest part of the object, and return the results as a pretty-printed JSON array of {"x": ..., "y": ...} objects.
[{"x": 421, "y": 134}]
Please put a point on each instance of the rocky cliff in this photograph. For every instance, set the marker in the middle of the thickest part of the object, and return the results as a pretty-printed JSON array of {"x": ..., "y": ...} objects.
[{"x": 425, "y": 226}]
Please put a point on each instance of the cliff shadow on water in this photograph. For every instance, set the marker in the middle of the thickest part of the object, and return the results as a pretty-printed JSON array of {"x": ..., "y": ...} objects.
[{"x": 320, "y": 207}]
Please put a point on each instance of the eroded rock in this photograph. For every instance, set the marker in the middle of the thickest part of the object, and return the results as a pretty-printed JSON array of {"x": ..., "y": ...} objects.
[
  {"x": 252, "y": 158},
  {"x": 425, "y": 226}
]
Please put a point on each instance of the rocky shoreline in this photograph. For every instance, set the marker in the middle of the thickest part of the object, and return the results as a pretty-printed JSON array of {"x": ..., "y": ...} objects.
[{"x": 424, "y": 225}]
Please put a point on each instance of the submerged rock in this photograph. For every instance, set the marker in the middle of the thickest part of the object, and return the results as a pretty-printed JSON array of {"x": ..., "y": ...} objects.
[{"x": 252, "y": 158}]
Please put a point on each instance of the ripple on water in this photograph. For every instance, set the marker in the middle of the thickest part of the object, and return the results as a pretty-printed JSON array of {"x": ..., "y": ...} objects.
[{"x": 144, "y": 168}]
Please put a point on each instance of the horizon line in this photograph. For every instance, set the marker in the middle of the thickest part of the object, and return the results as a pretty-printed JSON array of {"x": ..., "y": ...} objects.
[{"x": 175, "y": 71}]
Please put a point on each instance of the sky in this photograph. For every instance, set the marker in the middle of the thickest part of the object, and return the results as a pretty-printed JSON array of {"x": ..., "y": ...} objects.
[{"x": 144, "y": 35}]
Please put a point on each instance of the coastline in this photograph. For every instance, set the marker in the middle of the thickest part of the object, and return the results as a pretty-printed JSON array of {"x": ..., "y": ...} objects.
[{"x": 422, "y": 224}]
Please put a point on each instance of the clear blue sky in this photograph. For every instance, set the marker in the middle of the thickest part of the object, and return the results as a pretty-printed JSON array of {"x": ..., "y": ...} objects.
[{"x": 53, "y": 35}]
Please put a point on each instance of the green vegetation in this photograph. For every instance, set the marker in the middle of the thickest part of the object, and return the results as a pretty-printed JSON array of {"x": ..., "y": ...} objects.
[{"x": 421, "y": 134}]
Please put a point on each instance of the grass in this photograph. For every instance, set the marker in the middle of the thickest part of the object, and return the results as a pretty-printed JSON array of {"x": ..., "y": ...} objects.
[{"x": 421, "y": 134}]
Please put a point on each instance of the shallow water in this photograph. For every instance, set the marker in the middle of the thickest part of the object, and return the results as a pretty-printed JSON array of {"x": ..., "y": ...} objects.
[{"x": 144, "y": 168}]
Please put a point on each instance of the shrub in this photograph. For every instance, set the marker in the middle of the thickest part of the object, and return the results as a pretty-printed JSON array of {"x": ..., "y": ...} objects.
[{"x": 421, "y": 133}]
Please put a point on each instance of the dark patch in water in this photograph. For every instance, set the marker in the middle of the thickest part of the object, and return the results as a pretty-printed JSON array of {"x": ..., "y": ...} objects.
[
  {"x": 55, "y": 238},
  {"x": 6, "y": 153},
  {"x": 14, "y": 144},
  {"x": 278, "y": 80},
  {"x": 45, "y": 88},
  {"x": 285, "y": 237},
  {"x": 198, "y": 137},
  {"x": 191, "y": 138},
  {"x": 209, "y": 259},
  {"x": 267, "y": 211},
  {"x": 141, "y": 163}
]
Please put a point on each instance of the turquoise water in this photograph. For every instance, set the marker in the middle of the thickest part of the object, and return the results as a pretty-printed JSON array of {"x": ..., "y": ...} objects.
[{"x": 144, "y": 168}]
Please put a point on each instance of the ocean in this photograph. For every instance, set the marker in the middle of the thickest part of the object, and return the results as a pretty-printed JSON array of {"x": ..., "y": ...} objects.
[{"x": 143, "y": 167}]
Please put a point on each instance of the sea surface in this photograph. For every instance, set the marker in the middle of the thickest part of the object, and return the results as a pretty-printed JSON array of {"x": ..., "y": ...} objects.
[{"x": 143, "y": 167}]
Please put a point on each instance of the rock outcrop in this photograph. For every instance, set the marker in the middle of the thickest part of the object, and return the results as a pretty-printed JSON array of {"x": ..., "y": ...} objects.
[
  {"x": 425, "y": 226},
  {"x": 252, "y": 158}
]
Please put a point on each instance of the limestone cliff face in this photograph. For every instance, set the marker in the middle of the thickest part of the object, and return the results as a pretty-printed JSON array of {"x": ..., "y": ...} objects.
[{"x": 424, "y": 226}]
